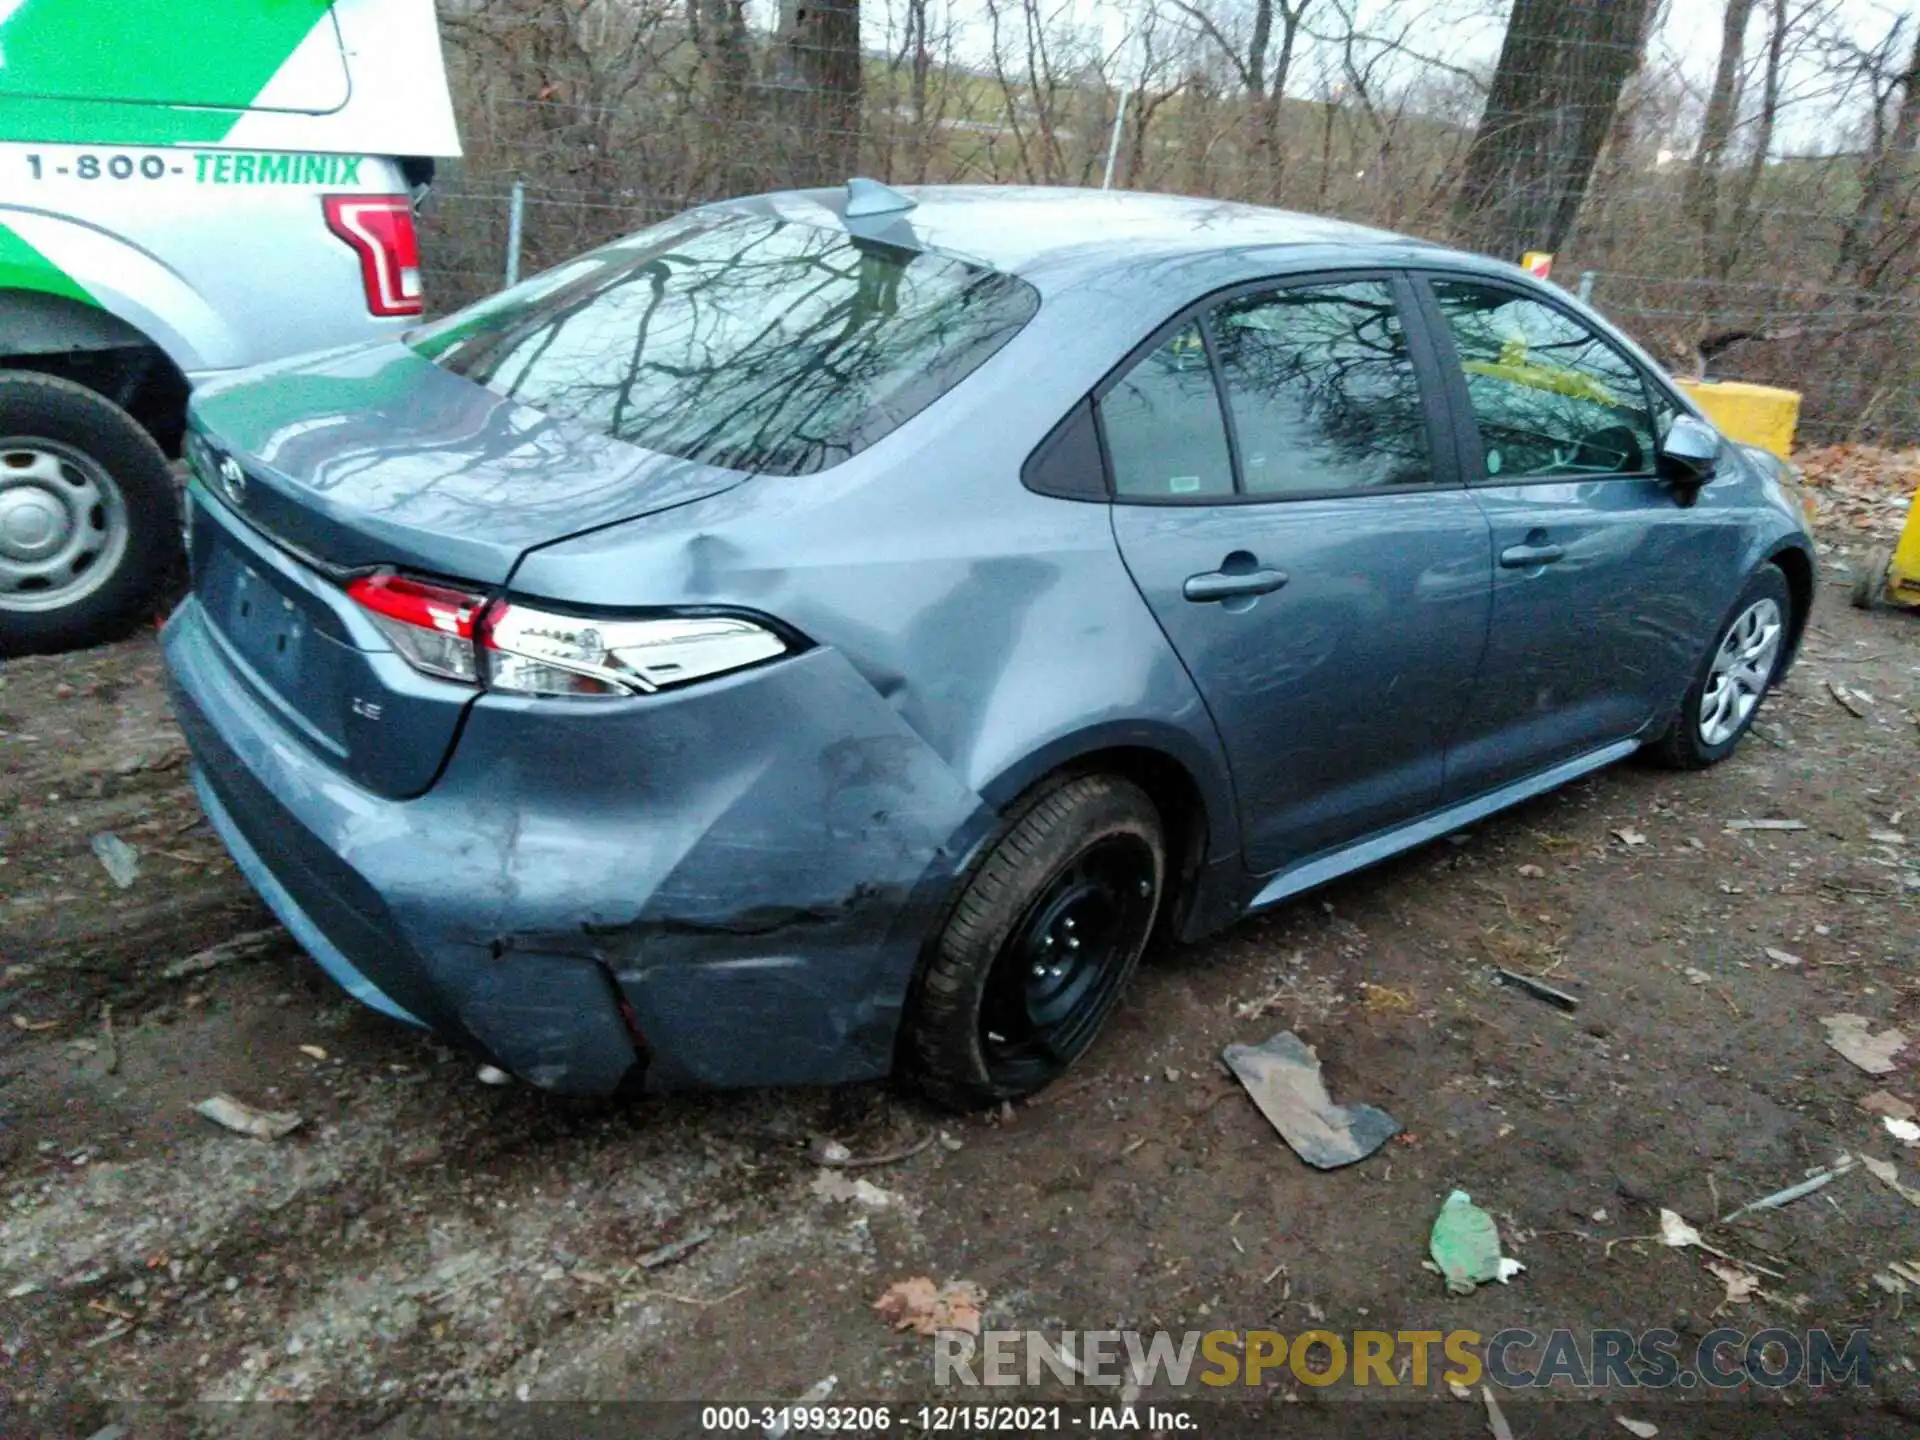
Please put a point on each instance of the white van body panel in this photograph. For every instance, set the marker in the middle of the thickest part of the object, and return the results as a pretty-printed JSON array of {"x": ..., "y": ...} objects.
[
  {"x": 217, "y": 274},
  {"x": 183, "y": 193}
]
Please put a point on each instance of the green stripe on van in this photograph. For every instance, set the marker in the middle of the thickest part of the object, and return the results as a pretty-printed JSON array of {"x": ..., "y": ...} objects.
[
  {"x": 67, "y": 63},
  {"x": 24, "y": 268}
]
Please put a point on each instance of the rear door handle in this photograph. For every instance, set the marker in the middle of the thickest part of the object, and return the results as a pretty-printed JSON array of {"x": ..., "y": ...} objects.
[
  {"x": 1231, "y": 584},
  {"x": 1525, "y": 557}
]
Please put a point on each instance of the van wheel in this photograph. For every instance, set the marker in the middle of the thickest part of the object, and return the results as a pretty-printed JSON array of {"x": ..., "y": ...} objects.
[
  {"x": 89, "y": 519},
  {"x": 1040, "y": 944},
  {"x": 1735, "y": 676}
]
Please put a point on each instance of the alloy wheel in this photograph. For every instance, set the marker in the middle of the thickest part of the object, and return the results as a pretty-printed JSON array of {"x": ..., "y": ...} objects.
[{"x": 1741, "y": 670}]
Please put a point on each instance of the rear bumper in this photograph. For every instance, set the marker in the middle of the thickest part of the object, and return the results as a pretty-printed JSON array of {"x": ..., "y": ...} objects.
[{"x": 727, "y": 885}]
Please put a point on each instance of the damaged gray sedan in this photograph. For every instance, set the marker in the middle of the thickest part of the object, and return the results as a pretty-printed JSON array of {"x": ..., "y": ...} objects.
[{"x": 834, "y": 633}]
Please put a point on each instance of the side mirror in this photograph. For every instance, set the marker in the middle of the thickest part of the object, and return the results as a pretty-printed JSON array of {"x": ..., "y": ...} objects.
[{"x": 1690, "y": 452}]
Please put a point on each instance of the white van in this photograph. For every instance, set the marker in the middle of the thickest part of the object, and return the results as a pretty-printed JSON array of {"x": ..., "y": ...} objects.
[{"x": 184, "y": 189}]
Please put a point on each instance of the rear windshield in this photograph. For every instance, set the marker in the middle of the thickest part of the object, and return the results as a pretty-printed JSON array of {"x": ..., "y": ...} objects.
[{"x": 743, "y": 341}]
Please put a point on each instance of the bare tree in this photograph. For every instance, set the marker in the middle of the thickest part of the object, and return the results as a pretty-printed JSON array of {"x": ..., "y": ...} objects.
[
  {"x": 1881, "y": 229},
  {"x": 1716, "y": 127},
  {"x": 1262, "y": 61},
  {"x": 815, "y": 73},
  {"x": 1560, "y": 74}
]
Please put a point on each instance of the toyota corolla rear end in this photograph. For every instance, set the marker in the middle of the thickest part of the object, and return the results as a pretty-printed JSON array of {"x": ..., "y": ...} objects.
[{"x": 593, "y": 842}]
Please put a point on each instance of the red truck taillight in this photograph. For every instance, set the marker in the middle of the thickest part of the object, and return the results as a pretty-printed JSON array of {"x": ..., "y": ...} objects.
[{"x": 380, "y": 230}]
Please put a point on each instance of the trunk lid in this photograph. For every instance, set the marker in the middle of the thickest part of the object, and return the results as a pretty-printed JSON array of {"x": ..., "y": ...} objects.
[{"x": 375, "y": 457}]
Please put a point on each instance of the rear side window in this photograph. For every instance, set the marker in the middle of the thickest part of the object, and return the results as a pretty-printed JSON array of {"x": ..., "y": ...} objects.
[
  {"x": 747, "y": 342},
  {"x": 1322, "y": 390},
  {"x": 1165, "y": 436},
  {"x": 1553, "y": 399}
]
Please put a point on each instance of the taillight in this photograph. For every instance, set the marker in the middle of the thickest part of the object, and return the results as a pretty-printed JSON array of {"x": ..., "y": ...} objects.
[
  {"x": 380, "y": 229},
  {"x": 506, "y": 646},
  {"x": 542, "y": 654},
  {"x": 431, "y": 626}
]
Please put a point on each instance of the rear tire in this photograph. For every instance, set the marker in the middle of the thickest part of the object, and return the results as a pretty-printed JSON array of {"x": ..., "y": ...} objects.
[
  {"x": 1038, "y": 947},
  {"x": 1734, "y": 677},
  {"x": 89, "y": 517}
]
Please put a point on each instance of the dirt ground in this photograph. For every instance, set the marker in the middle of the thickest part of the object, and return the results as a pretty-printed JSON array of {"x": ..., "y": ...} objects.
[{"x": 425, "y": 1237}]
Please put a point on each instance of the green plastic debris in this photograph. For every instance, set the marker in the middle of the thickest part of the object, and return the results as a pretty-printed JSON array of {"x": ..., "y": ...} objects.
[{"x": 1466, "y": 1246}]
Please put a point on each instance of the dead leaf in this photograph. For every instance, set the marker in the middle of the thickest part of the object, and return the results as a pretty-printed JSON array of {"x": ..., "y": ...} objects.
[
  {"x": 1675, "y": 1231},
  {"x": 925, "y": 1308},
  {"x": 1851, "y": 1036},
  {"x": 1781, "y": 957},
  {"x": 1384, "y": 998},
  {"x": 1531, "y": 872},
  {"x": 836, "y": 1186},
  {"x": 20, "y": 1022},
  {"x": 1889, "y": 1175},
  {"x": 1630, "y": 837},
  {"x": 1645, "y": 1429},
  {"x": 1880, "y": 1102},
  {"x": 244, "y": 1119},
  {"x": 1850, "y": 700},
  {"x": 313, "y": 1052},
  {"x": 1741, "y": 1287}
]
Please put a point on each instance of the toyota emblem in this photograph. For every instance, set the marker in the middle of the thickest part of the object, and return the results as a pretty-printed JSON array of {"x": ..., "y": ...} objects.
[{"x": 233, "y": 479}]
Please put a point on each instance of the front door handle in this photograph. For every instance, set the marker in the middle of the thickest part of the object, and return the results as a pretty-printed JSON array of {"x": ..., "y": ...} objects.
[
  {"x": 1525, "y": 557},
  {"x": 1232, "y": 584}
]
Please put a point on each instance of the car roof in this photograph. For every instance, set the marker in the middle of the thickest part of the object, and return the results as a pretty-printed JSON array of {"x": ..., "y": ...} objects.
[{"x": 1068, "y": 233}]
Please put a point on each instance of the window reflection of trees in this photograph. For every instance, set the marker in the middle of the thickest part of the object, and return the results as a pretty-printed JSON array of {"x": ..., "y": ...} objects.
[
  {"x": 751, "y": 343},
  {"x": 1323, "y": 392},
  {"x": 1552, "y": 397}
]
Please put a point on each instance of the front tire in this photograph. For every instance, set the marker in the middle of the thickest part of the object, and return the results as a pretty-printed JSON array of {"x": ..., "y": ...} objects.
[
  {"x": 1739, "y": 668},
  {"x": 89, "y": 519},
  {"x": 1036, "y": 951}
]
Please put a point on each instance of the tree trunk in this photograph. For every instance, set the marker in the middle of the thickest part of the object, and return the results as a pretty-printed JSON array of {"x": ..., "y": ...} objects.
[
  {"x": 816, "y": 67},
  {"x": 721, "y": 35},
  {"x": 922, "y": 68},
  {"x": 1716, "y": 128},
  {"x": 1740, "y": 215},
  {"x": 1561, "y": 70}
]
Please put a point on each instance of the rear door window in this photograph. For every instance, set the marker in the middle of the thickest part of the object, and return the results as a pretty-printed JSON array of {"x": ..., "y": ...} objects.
[
  {"x": 743, "y": 341},
  {"x": 1553, "y": 399},
  {"x": 1322, "y": 390}
]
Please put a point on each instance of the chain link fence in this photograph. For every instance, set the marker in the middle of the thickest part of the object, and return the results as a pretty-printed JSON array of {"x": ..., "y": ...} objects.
[{"x": 577, "y": 173}]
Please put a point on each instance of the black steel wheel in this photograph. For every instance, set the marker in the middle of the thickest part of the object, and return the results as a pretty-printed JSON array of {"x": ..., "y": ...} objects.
[{"x": 1040, "y": 944}]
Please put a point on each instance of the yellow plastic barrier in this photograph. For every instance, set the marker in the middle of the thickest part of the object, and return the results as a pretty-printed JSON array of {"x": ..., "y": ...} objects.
[
  {"x": 1891, "y": 573},
  {"x": 1752, "y": 414}
]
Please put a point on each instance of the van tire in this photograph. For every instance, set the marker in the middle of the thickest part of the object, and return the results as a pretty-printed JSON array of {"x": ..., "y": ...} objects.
[{"x": 57, "y": 438}]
